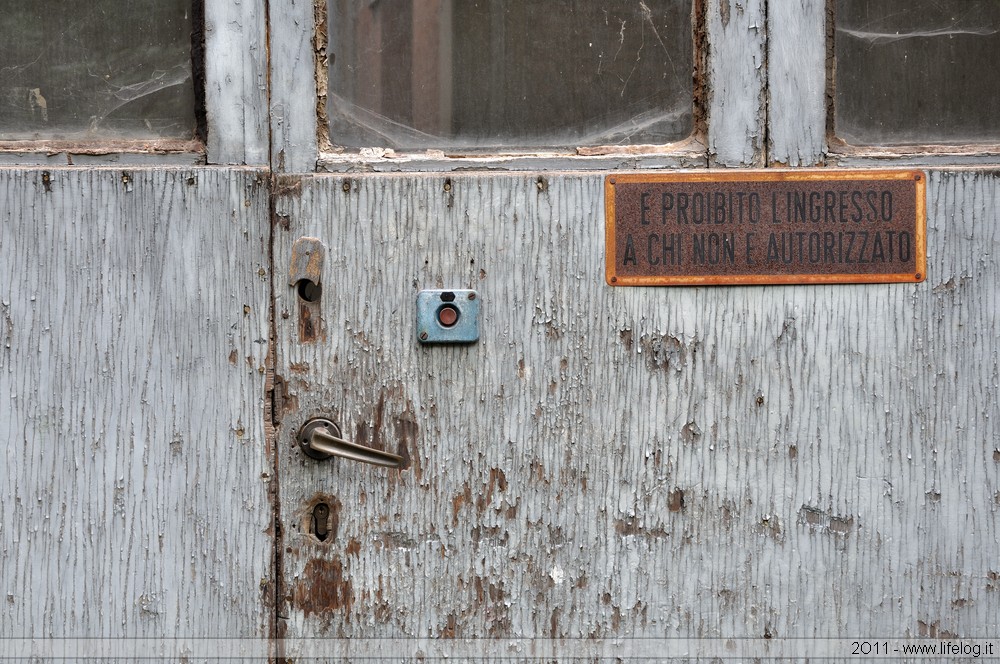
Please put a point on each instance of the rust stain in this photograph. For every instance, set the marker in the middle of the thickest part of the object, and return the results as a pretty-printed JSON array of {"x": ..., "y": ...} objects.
[
  {"x": 724, "y": 12},
  {"x": 371, "y": 435},
  {"x": 627, "y": 339},
  {"x": 616, "y": 618},
  {"x": 307, "y": 327},
  {"x": 538, "y": 471},
  {"x": 323, "y": 589},
  {"x": 691, "y": 432},
  {"x": 933, "y": 631},
  {"x": 996, "y": 455},
  {"x": 770, "y": 525},
  {"x": 493, "y": 535},
  {"x": 817, "y": 519},
  {"x": 841, "y": 525},
  {"x": 812, "y": 516},
  {"x": 497, "y": 479},
  {"x": 232, "y": 356},
  {"x": 407, "y": 433},
  {"x": 664, "y": 352},
  {"x": 492, "y": 598},
  {"x": 279, "y": 401},
  {"x": 631, "y": 527},
  {"x": 727, "y": 509},
  {"x": 450, "y": 630},
  {"x": 459, "y": 501},
  {"x": 675, "y": 500},
  {"x": 727, "y": 598},
  {"x": 299, "y": 367},
  {"x": 353, "y": 548},
  {"x": 287, "y": 185},
  {"x": 793, "y": 452}
]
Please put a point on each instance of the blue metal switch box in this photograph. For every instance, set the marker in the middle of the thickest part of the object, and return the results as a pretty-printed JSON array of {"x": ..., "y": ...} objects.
[{"x": 447, "y": 316}]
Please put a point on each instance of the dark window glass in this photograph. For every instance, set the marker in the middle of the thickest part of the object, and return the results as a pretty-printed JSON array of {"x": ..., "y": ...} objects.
[
  {"x": 917, "y": 71},
  {"x": 96, "y": 69},
  {"x": 509, "y": 73}
]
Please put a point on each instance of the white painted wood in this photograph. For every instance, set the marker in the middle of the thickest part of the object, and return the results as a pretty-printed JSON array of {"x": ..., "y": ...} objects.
[
  {"x": 134, "y": 472},
  {"x": 127, "y": 159},
  {"x": 236, "y": 82},
  {"x": 815, "y": 461},
  {"x": 879, "y": 158},
  {"x": 691, "y": 156},
  {"x": 737, "y": 32},
  {"x": 796, "y": 82},
  {"x": 295, "y": 145}
]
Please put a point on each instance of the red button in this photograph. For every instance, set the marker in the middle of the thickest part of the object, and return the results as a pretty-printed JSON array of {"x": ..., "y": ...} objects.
[{"x": 447, "y": 315}]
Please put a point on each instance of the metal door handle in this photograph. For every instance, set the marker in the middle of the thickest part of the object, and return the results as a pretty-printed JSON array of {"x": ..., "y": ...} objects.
[{"x": 321, "y": 439}]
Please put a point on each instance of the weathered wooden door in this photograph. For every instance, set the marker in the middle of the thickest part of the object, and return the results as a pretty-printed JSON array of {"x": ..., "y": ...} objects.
[
  {"x": 135, "y": 511},
  {"x": 622, "y": 464},
  {"x": 607, "y": 471}
]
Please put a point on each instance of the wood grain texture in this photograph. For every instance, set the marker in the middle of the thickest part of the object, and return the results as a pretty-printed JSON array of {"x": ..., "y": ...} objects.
[
  {"x": 737, "y": 79},
  {"x": 133, "y": 329},
  {"x": 701, "y": 462},
  {"x": 236, "y": 82},
  {"x": 294, "y": 140},
  {"x": 796, "y": 83}
]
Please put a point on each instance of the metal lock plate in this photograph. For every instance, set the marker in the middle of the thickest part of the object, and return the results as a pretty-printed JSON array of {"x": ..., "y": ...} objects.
[{"x": 447, "y": 316}]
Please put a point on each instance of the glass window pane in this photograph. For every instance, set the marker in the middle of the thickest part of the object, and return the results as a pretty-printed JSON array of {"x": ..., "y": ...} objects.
[
  {"x": 418, "y": 74},
  {"x": 917, "y": 71},
  {"x": 98, "y": 69}
]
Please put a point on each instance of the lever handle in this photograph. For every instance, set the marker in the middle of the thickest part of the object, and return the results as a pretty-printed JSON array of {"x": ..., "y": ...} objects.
[{"x": 321, "y": 439}]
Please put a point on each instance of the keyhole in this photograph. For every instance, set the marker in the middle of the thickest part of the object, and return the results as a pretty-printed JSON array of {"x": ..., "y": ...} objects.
[
  {"x": 321, "y": 521},
  {"x": 309, "y": 291}
]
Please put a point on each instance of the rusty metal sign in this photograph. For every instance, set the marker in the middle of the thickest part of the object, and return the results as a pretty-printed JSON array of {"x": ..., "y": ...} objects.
[{"x": 765, "y": 227}]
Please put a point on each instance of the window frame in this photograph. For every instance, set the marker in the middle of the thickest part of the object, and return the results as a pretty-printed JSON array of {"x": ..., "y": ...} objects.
[
  {"x": 801, "y": 116},
  {"x": 730, "y": 97},
  {"x": 233, "y": 70}
]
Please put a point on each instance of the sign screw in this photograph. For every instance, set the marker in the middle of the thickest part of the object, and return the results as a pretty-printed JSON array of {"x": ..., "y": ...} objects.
[{"x": 423, "y": 336}]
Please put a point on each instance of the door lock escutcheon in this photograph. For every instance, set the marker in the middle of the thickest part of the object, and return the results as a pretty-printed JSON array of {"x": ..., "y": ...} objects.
[{"x": 321, "y": 439}]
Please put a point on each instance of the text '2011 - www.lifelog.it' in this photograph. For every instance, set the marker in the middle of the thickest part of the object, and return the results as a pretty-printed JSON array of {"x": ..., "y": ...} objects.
[{"x": 765, "y": 227}]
